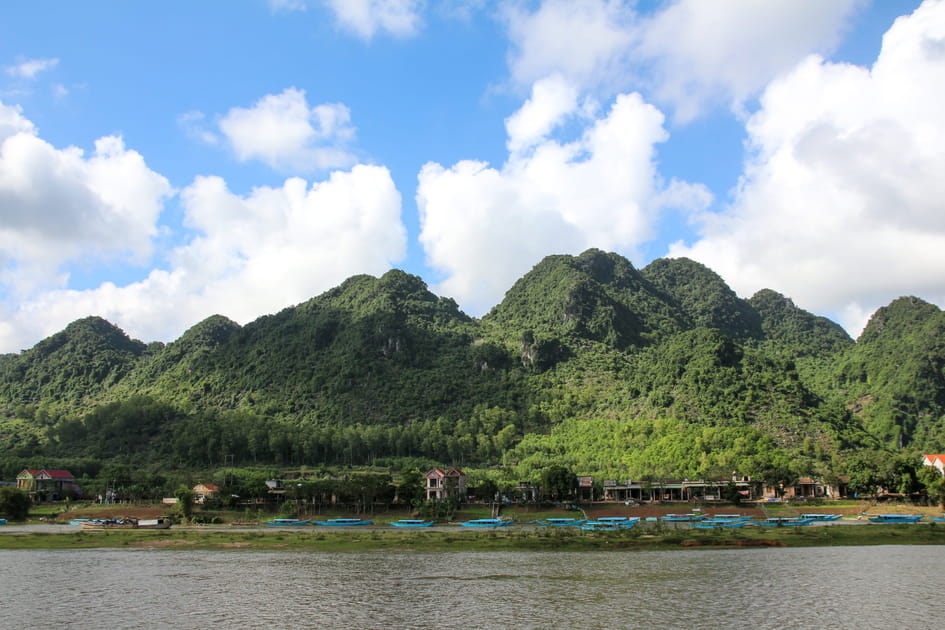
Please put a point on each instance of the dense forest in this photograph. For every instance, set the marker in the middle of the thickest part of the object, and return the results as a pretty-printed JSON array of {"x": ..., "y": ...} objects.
[{"x": 587, "y": 363}]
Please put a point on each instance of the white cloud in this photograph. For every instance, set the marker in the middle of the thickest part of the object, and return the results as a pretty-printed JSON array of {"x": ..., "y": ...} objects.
[
  {"x": 31, "y": 67},
  {"x": 688, "y": 54},
  {"x": 255, "y": 254},
  {"x": 365, "y": 18},
  {"x": 842, "y": 205},
  {"x": 485, "y": 227},
  {"x": 192, "y": 123},
  {"x": 286, "y": 133},
  {"x": 57, "y": 205}
]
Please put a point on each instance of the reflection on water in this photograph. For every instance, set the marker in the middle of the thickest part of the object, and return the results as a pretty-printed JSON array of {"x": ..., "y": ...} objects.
[{"x": 759, "y": 588}]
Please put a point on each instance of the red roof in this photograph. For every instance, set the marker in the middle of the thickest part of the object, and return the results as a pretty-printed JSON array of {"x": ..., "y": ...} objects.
[{"x": 58, "y": 474}]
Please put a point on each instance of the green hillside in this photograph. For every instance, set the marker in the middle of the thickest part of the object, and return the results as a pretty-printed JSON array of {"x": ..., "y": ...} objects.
[{"x": 587, "y": 362}]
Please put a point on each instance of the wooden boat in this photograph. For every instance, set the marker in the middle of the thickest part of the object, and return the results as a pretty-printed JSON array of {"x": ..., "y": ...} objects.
[
  {"x": 108, "y": 523},
  {"x": 610, "y": 523},
  {"x": 561, "y": 522},
  {"x": 820, "y": 516},
  {"x": 286, "y": 522},
  {"x": 412, "y": 522},
  {"x": 487, "y": 522},
  {"x": 344, "y": 522},
  {"x": 896, "y": 518}
]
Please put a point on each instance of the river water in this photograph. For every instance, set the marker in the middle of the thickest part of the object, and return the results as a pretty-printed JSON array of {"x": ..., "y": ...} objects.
[{"x": 832, "y": 587}]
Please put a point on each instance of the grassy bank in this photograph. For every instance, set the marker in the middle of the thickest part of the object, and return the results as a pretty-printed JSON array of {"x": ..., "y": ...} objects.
[{"x": 466, "y": 540}]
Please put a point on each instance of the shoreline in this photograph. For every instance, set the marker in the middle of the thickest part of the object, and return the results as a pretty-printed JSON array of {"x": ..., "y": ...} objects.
[{"x": 454, "y": 538}]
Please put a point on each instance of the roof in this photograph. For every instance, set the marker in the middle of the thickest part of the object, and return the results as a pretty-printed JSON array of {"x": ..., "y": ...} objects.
[
  {"x": 435, "y": 472},
  {"x": 51, "y": 473},
  {"x": 58, "y": 474},
  {"x": 931, "y": 459},
  {"x": 207, "y": 486}
]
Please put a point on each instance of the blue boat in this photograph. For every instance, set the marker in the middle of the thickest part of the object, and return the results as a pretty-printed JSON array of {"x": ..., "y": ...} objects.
[
  {"x": 610, "y": 523},
  {"x": 412, "y": 522},
  {"x": 487, "y": 522},
  {"x": 3, "y": 521},
  {"x": 682, "y": 518},
  {"x": 786, "y": 521},
  {"x": 819, "y": 516},
  {"x": 940, "y": 519},
  {"x": 286, "y": 522},
  {"x": 728, "y": 523},
  {"x": 78, "y": 521},
  {"x": 562, "y": 522},
  {"x": 896, "y": 518},
  {"x": 343, "y": 522}
]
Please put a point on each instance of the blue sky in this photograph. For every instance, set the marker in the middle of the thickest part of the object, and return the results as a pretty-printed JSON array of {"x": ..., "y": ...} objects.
[{"x": 162, "y": 162}]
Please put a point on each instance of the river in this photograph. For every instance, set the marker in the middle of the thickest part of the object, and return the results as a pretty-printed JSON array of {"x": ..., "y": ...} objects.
[{"x": 826, "y": 587}]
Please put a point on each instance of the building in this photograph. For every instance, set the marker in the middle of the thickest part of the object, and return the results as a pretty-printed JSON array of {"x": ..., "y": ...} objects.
[
  {"x": 937, "y": 461},
  {"x": 47, "y": 484},
  {"x": 441, "y": 484},
  {"x": 204, "y": 491},
  {"x": 675, "y": 489}
]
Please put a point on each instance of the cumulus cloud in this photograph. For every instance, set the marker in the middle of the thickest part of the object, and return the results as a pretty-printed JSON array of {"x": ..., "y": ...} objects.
[
  {"x": 31, "y": 67},
  {"x": 253, "y": 254},
  {"x": 841, "y": 204},
  {"x": 688, "y": 54},
  {"x": 288, "y": 134},
  {"x": 366, "y": 18},
  {"x": 59, "y": 205},
  {"x": 484, "y": 227}
]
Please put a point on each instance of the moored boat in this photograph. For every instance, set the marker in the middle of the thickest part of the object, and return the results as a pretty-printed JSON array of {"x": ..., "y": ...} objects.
[
  {"x": 412, "y": 522},
  {"x": 939, "y": 519},
  {"x": 561, "y": 522},
  {"x": 153, "y": 523},
  {"x": 682, "y": 518},
  {"x": 821, "y": 516},
  {"x": 611, "y": 523},
  {"x": 344, "y": 522},
  {"x": 786, "y": 521},
  {"x": 286, "y": 522},
  {"x": 3, "y": 521},
  {"x": 110, "y": 523},
  {"x": 896, "y": 518},
  {"x": 487, "y": 522},
  {"x": 713, "y": 523}
]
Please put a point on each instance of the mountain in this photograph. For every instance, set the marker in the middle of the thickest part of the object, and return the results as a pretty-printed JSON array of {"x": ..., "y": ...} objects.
[{"x": 586, "y": 361}]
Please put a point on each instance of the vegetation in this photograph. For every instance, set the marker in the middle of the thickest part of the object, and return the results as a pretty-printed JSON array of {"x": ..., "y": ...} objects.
[{"x": 588, "y": 364}]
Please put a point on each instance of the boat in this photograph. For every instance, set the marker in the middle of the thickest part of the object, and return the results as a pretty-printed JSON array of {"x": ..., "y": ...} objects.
[
  {"x": 487, "y": 522},
  {"x": 729, "y": 517},
  {"x": 682, "y": 518},
  {"x": 412, "y": 522},
  {"x": 153, "y": 523},
  {"x": 609, "y": 523},
  {"x": 77, "y": 522},
  {"x": 784, "y": 521},
  {"x": 111, "y": 523},
  {"x": 343, "y": 522},
  {"x": 713, "y": 523},
  {"x": 286, "y": 522},
  {"x": 896, "y": 518},
  {"x": 561, "y": 522},
  {"x": 939, "y": 519},
  {"x": 820, "y": 516},
  {"x": 3, "y": 521}
]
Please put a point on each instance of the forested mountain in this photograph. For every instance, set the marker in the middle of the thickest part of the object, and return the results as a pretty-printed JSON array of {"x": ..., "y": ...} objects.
[{"x": 586, "y": 362}]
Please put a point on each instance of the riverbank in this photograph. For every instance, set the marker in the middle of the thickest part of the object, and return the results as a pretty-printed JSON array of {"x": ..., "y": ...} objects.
[{"x": 454, "y": 538}]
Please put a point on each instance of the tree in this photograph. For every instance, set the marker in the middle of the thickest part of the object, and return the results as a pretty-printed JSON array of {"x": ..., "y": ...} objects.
[
  {"x": 14, "y": 503},
  {"x": 410, "y": 486},
  {"x": 934, "y": 483},
  {"x": 185, "y": 501},
  {"x": 558, "y": 482}
]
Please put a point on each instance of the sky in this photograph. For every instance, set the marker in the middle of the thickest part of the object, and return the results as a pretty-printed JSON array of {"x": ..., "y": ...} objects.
[{"x": 161, "y": 162}]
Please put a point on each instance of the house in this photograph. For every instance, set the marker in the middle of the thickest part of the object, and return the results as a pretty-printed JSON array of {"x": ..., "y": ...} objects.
[
  {"x": 204, "y": 491},
  {"x": 47, "y": 484},
  {"x": 938, "y": 461},
  {"x": 441, "y": 484}
]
